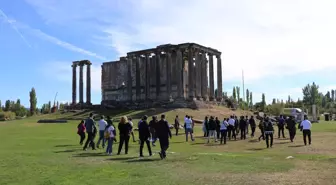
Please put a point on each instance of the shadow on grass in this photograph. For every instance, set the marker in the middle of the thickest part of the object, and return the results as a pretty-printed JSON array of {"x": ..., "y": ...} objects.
[
  {"x": 122, "y": 158},
  {"x": 256, "y": 149},
  {"x": 66, "y": 151},
  {"x": 143, "y": 160},
  {"x": 254, "y": 141},
  {"x": 64, "y": 145},
  {"x": 90, "y": 155},
  {"x": 178, "y": 142},
  {"x": 282, "y": 143},
  {"x": 296, "y": 146}
]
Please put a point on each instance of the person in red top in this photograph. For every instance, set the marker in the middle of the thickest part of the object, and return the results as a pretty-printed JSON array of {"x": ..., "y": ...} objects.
[{"x": 81, "y": 131}]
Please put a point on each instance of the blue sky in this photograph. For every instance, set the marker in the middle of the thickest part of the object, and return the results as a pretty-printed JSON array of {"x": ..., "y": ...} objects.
[{"x": 281, "y": 44}]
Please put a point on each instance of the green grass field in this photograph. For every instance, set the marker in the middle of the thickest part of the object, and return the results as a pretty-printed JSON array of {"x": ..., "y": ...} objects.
[{"x": 36, "y": 154}]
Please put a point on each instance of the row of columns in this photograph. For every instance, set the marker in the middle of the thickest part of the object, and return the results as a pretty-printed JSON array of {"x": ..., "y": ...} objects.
[
  {"x": 81, "y": 82},
  {"x": 197, "y": 75}
]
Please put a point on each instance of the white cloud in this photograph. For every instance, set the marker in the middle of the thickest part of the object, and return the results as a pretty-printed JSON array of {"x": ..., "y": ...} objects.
[
  {"x": 265, "y": 38},
  {"x": 12, "y": 24}
]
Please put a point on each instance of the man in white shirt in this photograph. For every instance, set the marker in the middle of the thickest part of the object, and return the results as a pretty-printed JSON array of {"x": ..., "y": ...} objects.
[
  {"x": 231, "y": 128},
  {"x": 102, "y": 125},
  {"x": 306, "y": 126},
  {"x": 189, "y": 128}
]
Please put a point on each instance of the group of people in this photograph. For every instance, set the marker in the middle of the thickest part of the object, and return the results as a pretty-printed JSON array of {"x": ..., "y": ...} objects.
[{"x": 212, "y": 127}]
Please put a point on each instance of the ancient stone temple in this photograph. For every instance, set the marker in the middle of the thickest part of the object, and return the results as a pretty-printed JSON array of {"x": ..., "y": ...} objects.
[
  {"x": 81, "y": 64},
  {"x": 168, "y": 73}
]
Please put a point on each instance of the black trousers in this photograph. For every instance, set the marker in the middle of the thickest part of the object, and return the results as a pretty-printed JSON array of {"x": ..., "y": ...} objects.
[
  {"x": 262, "y": 134},
  {"x": 82, "y": 137},
  {"x": 122, "y": 140},
  {"x": 218, "y": 133},
  {"x": 89, "y": 140},
  {"x": 253, "y": 131},
  {"x": 176, "y": 129},
  {"x": 142, "y": 143},
  {"x": 206, "y": 134},
  {"x": 292, "y": 133},
  {"x": 305, "y": 134},
  {"x": 164, "y": 144},
  {"x": 282, "y": 130},
  {"x": 232, "y": 132},
  {"x": 223, "y": 136},
  {"x": 243, "y": 133},
  {"x": 268, "y": 138}
]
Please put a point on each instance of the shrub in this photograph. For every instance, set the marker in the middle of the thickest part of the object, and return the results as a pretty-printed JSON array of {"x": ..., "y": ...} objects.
[{"x": 7, "y": 115}]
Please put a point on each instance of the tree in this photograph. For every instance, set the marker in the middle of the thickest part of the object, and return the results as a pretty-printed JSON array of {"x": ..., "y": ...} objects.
[
  {"x": 247, "y": 96},
  {"x": 33, "y": 101},
  {"x": 57, "y": 105},
  {"x": 273, "y": 102},
  {"x": 251, "y": 100},
  {"x": 333, "y": 95},
  {"x": 263, "y": 102},
  {"x": 311, "y": 94},
  {"x": 238, "y": 93},
  {"x": 7, "y": 105},
  {"x": 0, "y": 106},
  {"x": 49, "y": 106},
  {"x": 234, "y": 95}
]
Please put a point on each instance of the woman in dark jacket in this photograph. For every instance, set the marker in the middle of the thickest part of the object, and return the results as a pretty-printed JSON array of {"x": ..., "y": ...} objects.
[{"x": 125, "y": 129}]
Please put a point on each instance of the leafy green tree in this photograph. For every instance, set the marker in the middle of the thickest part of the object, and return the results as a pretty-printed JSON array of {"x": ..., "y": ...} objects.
[
  {"x": 251, "y": 100},
  {"x": 263, "y": 102},
  {"x": 234, "y": 94},
  {"x": 7, "y": 105},
  {"x": 247, "y": 96},
  {"x": 33, "y": 101},
  {"x": 49, "y": 106},
  {"x": 333, "y": 95},
  {"x": 273, "y": 101},
  {"x": 0, "y": 106},
  {"x": 311, "y": 94},
  {"x": 238, "y": 93}
]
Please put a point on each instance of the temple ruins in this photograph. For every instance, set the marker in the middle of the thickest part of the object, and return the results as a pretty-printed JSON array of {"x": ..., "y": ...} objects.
[{"x": 167, "y": 73}]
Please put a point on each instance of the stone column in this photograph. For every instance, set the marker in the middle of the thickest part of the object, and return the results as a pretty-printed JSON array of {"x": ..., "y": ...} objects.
[
  {"x": 191, "y": 92},
  {"x": 198, "y": 78},
  {"x": 158, "y": 80},
  {"x": 147, "y": 74},
  {"x": 137, "y": 77},
  {"x": 81, "y": 84},
  {"x": 211, "y": 76},
  {"x": 88, "y": 84},
  {"x": 219, "y": 79},
  {"x": 129, "y": 78},
  {"x": 204, "y": 76},
  {"x": 74, "y": 84},
  {"x": 169, "y": 75},
  {"x": 179, "y": 72}
]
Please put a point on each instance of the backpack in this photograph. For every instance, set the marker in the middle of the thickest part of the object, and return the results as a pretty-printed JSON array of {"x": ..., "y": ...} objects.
[{"x": 107, "y": 133}]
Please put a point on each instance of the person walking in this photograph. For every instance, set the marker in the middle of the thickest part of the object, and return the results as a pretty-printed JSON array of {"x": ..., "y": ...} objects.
[
  {"x": 90, "y": 126},
  {"x": 218, "y": 125},
  {"x": 132, "y": 133},
  {"x": 253, "y": 125},
  {"x": 236, "y": 125},
  {"x": 81, "y": 131},
  {"x": 125, "y": 129},
  {"x": 205, "y": 126},
  {"x": 177, "y": 125},
  {"x": 110, "y": 122},
  {"x": 242, "y": 125},
  {"x": 261, "y": 128},
  {"x": 306, "y": 126},
  {"x": 110, "y": 134},
  {"x": 247, "y": 125},
  {"x": 188, "y": 126},
  {"x": 231, "y": 128},
  {"x": 152, "y": 125},
  {"x": 281, "y": 127},
  {"x": 144, "y": 135},
  {"x": 102, "y": 125},
  {"x": 223, "y": 130},
  {"x": 212, "y": 129},
  {"x": 268, "y": 126},
  {"x": 291, "y": 126},
  {"x": 163, "y": 133}
]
